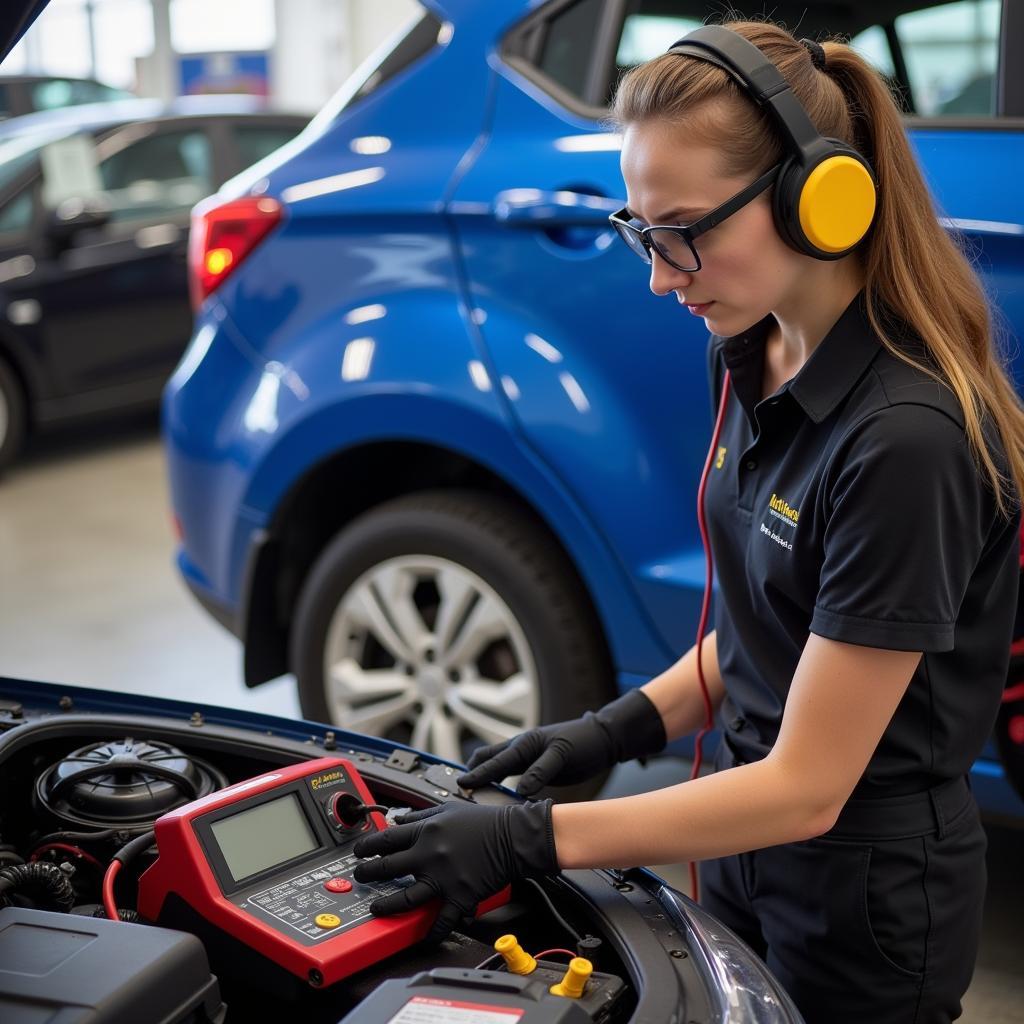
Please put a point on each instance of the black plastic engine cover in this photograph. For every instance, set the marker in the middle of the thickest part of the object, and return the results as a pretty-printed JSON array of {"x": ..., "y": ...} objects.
[{"x": 94, "y": 971}]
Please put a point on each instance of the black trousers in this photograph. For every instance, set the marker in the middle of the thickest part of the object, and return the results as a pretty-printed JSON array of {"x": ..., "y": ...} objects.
[{"x": 876, "y": 922}]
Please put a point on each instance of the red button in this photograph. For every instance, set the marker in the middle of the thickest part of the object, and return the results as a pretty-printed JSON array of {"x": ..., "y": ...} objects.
[{"x": 338, "y": 885}]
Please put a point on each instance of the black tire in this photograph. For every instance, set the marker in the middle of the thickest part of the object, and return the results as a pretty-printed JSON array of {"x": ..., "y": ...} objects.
[
  {"x": 494, "y": 540},
  {"x": 12, "y": 415}
]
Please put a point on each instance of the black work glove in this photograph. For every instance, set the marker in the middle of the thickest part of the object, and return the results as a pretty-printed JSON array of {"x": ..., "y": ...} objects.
[
  {"x": 462, "y": 852},
  {"x": 569, "y": 752}
]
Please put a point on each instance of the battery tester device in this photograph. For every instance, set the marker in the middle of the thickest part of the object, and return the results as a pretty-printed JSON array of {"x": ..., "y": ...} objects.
[{"x": 268, "y": 863}]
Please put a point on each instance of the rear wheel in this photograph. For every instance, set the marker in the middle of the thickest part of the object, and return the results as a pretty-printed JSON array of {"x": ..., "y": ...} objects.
[
  {"x": 12, "y": 415},
  {"x": 445, "y": 620}
]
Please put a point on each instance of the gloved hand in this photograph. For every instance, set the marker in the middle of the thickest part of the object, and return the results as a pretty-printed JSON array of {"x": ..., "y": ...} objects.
[
  {"x": 569, "y": 752},
  {"x": 460, "y": 851}
]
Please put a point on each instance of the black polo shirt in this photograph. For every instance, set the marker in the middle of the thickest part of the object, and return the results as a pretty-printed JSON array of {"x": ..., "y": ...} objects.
[{"x": 848, "y": 504}]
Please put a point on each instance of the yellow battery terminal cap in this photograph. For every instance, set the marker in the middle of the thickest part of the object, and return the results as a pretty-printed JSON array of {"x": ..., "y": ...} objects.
[
  {"x": 517, "y": 959},
  {"x": 575, "y": 979}
]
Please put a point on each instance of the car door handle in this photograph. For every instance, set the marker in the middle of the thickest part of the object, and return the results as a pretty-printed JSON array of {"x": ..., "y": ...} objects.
[{"x": 531, "y": 207}]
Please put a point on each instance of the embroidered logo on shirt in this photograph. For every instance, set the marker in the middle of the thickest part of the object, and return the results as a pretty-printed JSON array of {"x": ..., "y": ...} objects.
[
  {"x": 720, "y": 460},
  {"x": 781, "y": 510}
]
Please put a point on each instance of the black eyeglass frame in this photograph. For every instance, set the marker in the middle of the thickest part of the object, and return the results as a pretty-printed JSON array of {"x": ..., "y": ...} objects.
[{"x": 622, "y": 223}]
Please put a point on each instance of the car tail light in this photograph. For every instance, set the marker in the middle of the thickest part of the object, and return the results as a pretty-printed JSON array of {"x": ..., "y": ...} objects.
[{"x": 222, "y": 236}]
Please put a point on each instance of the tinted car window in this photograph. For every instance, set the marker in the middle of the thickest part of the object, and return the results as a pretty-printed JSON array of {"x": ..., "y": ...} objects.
[
  {"x": 420, "y": 40},
  {"x": 569, "y": 46},
  {"x": 951, "y": 51},
  {"x": 646, "y": 35},
  {"x": 873, "y": 45},
  {"x": 16, "y": 213},
  {"x": 162, "y": 173},
  {"x": 254, "y": 141}
]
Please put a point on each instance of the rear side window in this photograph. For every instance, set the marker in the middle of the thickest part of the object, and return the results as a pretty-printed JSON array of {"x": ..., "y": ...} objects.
[
  {"x": 646, "y": 35},
  {"x": 577, "y": 49},
  {"x": 421, "y": 38},
  {"x": 951, "y": 53},
  {"x": 939, "y": 59},
  {"x": 163, "y": 173},
  {"x": 567, "y": 53}
]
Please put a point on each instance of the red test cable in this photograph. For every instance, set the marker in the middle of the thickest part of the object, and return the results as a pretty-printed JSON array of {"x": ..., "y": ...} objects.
[{"x": 709, "y": 566}]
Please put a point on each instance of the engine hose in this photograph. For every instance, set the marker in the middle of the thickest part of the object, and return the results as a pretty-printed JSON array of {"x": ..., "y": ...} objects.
[
  {"x": 9, "y": 855},
  {"x": 41, "y": 882}
]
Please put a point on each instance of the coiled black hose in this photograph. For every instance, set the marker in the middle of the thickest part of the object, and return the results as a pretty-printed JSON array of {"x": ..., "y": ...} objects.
[{"x": 45, "y": 884}]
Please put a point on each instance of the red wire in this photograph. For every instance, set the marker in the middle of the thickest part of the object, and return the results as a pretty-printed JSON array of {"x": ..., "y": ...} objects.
[
  {"x": 108, "y": 890},
  {"x": 540, "y": 956},
  {"x": 76, "y": 850},
  {"x": 709, "y": 570}
]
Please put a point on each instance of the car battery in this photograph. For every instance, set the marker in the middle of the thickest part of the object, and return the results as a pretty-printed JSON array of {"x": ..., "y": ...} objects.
[
  {"x": 87, "y": 970},
  {"x": 453, "y": 995}
]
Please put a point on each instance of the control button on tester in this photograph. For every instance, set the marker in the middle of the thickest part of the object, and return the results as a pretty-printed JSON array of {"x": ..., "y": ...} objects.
[
  {"x": 338, "y": 885},
  {"x": 327, "y": 920}
]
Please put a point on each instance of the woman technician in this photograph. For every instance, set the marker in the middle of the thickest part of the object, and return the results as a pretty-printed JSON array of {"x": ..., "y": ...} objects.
[{"x": 862, "y": 504}]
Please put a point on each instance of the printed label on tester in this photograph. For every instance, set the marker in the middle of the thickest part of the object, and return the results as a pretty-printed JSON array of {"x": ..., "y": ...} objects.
[{"x": 431, "y": 1010}]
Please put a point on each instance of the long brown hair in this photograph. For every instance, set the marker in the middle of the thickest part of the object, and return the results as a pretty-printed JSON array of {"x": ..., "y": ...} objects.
[{"x": 915, "y": 271}]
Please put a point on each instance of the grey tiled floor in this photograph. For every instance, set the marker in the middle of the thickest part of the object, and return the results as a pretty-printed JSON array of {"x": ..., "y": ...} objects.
[{"x": 88, "y": 595}]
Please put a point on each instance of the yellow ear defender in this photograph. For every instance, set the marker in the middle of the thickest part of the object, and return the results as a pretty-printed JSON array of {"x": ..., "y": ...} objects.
[
  {"x": 825, "y": 195},
  {"x": 836, "y": 204}
]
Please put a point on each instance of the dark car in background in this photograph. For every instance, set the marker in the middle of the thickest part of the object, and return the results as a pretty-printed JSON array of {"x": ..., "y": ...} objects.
[
  {"x": 27, "y": 94},
  {"x": 94, "y": 214}
]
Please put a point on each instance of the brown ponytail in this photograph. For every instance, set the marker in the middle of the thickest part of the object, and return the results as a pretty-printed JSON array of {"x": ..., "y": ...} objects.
[{"x": 915, "y": 271}]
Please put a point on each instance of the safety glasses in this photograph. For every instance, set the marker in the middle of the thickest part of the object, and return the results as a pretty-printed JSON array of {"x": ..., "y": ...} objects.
[{"x": 674, "y": 242}]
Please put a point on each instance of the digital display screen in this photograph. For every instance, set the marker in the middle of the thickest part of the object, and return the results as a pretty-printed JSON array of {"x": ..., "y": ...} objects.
[{"x": 257, "y": 839}]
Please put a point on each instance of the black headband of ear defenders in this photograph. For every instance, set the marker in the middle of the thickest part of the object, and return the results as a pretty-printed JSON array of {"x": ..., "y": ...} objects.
[{"x": 759, "y": 77}]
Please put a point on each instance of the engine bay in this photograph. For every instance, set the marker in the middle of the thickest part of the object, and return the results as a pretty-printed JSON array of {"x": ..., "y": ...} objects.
[{"x": 81, "y": 788}]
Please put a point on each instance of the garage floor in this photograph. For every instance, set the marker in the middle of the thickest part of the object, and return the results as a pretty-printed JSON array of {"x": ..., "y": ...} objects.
[{"x": 88, "y": 595}]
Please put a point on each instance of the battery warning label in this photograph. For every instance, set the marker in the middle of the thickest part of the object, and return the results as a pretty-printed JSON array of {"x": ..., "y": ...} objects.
[{"x": 430, "y": 1010}]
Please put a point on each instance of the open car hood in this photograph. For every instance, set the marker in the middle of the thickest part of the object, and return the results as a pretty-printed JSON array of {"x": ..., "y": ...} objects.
[{"x": 666, "y": 958}]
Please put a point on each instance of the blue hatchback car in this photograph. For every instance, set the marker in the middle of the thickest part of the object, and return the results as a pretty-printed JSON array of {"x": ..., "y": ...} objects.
[{"x": 435, "y": 445}]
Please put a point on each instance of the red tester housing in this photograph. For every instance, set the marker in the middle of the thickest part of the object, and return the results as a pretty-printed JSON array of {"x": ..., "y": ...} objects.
[{"x": 268, "y": 862}]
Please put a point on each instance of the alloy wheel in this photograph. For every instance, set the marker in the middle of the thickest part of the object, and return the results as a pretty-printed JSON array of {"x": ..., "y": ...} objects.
[{"x": 422, "y": 649}]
